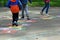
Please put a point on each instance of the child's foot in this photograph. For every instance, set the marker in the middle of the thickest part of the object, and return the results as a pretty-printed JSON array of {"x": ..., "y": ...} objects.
[
  {"x": 28, "y": 18},
  {"x": 41, "y": 13},
  {"x": 22, "y": 18},
  {"x": 47, "y": 15},
  {"x": 14, "y": 23}
]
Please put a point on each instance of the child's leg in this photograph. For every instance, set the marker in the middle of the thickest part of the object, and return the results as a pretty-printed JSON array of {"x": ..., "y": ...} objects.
[
  {"x": 47, "y": 8},
  {"x": 23, "y": 8},
  {"x": 44, "y": 7},
  {"x": 26, "y": 10},
  {"x": 15, "y": 19}
]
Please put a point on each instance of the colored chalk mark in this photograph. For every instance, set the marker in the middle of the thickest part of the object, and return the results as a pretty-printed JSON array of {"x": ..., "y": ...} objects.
[
  {"x": 9, "y": 24},
  {"x": 9, "y": 17},
  {"x": 35, "y": 18},
  {"x": 21, "y": 22},
  {"x": 7, "y": 30},
  {"x": 31, "y": 21},
  {"x": 26, "y": 24},
  {"x": 47, "y": 17},
  {"x": 19, "y": 27},
  {"x": 6, "y": 17},
  {"x": 58, "y": 16},
  {"x": 15, "y": 26},
  {"x": 11, "y": 29}
]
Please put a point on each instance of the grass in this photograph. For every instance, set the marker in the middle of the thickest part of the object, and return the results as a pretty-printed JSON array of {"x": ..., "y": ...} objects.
[{"x": 36, "y": 4}]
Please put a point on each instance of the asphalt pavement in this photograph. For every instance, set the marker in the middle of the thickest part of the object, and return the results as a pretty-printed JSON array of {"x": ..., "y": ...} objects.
[{"x": 34, "y": 29}]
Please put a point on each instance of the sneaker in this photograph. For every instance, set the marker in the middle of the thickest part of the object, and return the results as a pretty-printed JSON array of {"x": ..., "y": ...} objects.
[
  {"x": 28, "y": 18},
  {"x": 22, "y": 18},
  {"x": 41, "y": 13},
  {"x": 14, "y": 23},
  {"x": 47, "y": 15}
]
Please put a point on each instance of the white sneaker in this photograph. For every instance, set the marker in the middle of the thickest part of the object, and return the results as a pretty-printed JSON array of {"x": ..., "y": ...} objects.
[{"x": 47, "y": 15}]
